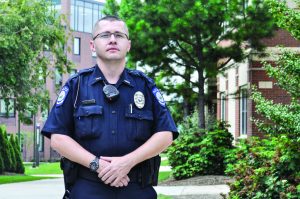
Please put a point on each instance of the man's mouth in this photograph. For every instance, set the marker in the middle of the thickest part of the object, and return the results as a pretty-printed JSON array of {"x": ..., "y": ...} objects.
[{"x": 112, "y": 49}]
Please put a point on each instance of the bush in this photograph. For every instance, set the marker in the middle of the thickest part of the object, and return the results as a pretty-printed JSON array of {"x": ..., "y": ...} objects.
[
  {"x": 197, "y": 152},
  {"x": 264, "y": 169},
  {"x": 1, "y": 165},
  {"x": 4, "y": 149},
  {"x": 12, "y": 154},
  {"x": 19, "y": 163}
]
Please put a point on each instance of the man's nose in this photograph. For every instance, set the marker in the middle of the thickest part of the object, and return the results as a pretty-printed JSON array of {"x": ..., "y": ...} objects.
[{"x": 112, "y": 38}]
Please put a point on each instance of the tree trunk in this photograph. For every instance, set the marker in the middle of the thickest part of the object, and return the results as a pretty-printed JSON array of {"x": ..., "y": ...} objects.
[
  {"x": 186, "y": 107},
  {"x": 201, "y": 116}
]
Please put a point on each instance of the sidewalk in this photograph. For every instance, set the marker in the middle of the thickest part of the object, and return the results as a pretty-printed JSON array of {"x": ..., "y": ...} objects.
[{"x": 54, "y": 189}]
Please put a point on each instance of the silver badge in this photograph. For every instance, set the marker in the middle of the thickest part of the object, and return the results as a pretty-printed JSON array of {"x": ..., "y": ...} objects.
[{"x": 139, "y": 99}]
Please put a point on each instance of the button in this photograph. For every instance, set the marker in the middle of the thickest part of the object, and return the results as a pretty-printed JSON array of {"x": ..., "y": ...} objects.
[
  {"x": 113, "y": 132},
  {"x": 113, "y": 112}
]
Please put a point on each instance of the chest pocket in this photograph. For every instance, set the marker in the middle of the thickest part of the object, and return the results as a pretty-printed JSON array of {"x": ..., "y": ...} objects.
[
  {"x": 140, "y": 123},
  {"x": 88, "y": 120}
]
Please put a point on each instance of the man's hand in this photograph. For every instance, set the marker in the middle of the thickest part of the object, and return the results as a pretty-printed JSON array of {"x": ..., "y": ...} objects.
[
  {"x": 116, "y": 171},
  {"x": 122, "y": 182}
]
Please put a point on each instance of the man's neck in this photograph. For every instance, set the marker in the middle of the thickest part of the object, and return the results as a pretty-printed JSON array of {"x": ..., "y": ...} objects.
[{"x": 111, "y": 70}]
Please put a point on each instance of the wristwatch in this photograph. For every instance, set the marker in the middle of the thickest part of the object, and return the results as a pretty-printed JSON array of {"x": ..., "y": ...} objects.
[{"x": 94, "y": 165}]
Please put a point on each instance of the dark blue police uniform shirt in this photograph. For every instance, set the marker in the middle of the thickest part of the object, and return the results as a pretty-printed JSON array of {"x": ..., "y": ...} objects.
[{"x": 109, "y": 128}]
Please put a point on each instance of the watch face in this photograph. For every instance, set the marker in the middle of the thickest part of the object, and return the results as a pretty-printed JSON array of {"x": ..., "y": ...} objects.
[{"x": 94, "y": 165}]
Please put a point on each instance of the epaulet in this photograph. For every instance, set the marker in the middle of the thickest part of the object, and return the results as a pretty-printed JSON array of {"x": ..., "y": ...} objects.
[
  {"x": 82, "y": 72},
  {"x": 141, "y": 74}
]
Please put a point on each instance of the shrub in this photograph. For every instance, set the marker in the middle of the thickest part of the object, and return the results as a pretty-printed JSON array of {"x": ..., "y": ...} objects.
[
  {"x": 19, "y": 163},
  {"x": 264, "y": 169},
  {"x": 197, "y": 152},
  {"x": 1, "y": 165},
  {"x": 12, "y": 166},
  {"x": 4, "y": 149}
]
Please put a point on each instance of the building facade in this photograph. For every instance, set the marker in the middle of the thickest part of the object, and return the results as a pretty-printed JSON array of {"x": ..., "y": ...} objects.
[
  {"x": 234, "y": 86},
  {"x": 81, "y": 16}
]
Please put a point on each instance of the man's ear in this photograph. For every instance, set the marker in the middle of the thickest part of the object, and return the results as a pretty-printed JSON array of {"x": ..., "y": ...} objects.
[
  {"x": 129, "y": 46},
  {"x": 92, "y": 46}
]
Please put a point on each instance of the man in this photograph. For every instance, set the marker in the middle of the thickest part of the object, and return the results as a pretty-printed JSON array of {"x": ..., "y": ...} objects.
[{"x": 112, "y": 121}]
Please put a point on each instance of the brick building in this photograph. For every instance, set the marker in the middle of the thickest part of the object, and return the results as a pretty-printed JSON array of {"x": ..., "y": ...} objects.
[
  {"x": 82, "y": 15},
  {"x": 233, "y": 87}
]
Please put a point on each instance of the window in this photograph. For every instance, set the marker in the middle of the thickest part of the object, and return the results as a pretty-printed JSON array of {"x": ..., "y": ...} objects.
[
  {"x": 76, "y": 46},
  {"x": 55, "y": 6},
  {"x": 223, "y": 106},
  {"x": 7, "y": 108},
  {"x": 243, "y": 111},
  {"x": 58, "y": 78},
  {"x": 84, "y": 14}
]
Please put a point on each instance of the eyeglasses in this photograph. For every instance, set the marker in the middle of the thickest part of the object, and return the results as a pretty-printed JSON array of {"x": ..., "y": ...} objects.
[{"x": 107, "y": 35}]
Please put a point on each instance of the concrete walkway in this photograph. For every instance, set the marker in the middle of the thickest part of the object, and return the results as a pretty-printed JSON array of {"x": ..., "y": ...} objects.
[{"x": 54, "y": 189}]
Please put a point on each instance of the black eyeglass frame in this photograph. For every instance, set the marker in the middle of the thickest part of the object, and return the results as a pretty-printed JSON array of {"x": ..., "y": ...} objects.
[{"x": 110, "y": 33}]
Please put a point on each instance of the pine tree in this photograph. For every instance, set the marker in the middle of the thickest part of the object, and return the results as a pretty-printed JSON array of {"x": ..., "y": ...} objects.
[
  {"x": 19, "y": 163},
  {"x": 1, "y": 164},
  {"x": 12, "y": 167},
  {"x": 4, "y": 149}
]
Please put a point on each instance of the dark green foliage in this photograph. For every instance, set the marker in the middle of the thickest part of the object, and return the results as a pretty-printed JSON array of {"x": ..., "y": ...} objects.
[
  {"x": 1, "y": 164},
  {"x": 4, "y": 147},
  {"x": 19, "y": 167},
  {"x": 12, "y": 154},
  {"x": 199, "y": 153},
  {"x": 264, "y": 169}
]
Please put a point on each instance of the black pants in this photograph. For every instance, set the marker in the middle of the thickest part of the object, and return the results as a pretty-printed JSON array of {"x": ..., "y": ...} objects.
[{"x": 85, "y": 189}]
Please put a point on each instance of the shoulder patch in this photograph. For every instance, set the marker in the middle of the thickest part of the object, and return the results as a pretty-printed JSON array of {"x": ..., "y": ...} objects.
[
  {"x": 156, "y": 92},
  {"x": 62, "y": 96}
]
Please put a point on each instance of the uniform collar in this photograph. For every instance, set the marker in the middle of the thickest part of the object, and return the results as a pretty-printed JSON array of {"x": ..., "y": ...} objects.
[{"x": 98, "y": 76}]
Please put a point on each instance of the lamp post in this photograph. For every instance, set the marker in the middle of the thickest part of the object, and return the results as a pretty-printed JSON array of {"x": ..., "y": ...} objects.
[
  {"x": 38, "y": 135},
  {"x": 34, "y": 142}
]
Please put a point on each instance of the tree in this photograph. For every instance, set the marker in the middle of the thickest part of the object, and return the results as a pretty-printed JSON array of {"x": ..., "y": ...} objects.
[
  {"x": 4, "y": 149},
  {"x": 31, "y": 38},
  {"x": 19, "y": 163},
  {"x": 12, "y": 154},
  {"x": 182, "y": 39},
  {"x": 1, "y": 165}
]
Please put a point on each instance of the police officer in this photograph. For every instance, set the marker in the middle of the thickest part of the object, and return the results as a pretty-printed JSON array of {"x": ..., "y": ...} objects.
[{"x": 112, "y": 121}]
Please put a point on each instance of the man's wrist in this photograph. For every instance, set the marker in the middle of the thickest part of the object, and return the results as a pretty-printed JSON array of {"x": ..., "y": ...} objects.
[
  {"x": 132, "y": 160},
  {"x": 94, "y": 164}
]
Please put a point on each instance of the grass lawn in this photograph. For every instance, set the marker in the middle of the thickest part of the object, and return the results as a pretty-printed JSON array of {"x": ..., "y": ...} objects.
[
  {"x": 51, "y": 168},
  {"x": 164, "y": 163},
  {"x": 160, "y": 196},
  {"x": 4, "y": 179},
  {"x": 164, "y": 175},
  {"x": 44, "y": 168}
]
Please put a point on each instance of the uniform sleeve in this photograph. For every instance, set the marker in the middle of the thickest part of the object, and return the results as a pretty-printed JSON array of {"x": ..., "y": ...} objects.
[
  {"x": 60, "y": 119},
  {"x": 162, "y": 117}
]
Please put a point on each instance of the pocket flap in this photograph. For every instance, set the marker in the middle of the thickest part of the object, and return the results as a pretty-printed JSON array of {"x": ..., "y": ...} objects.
[
  {"x": 89, "y": 110},
  {"x": 139, "y": 114}
]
